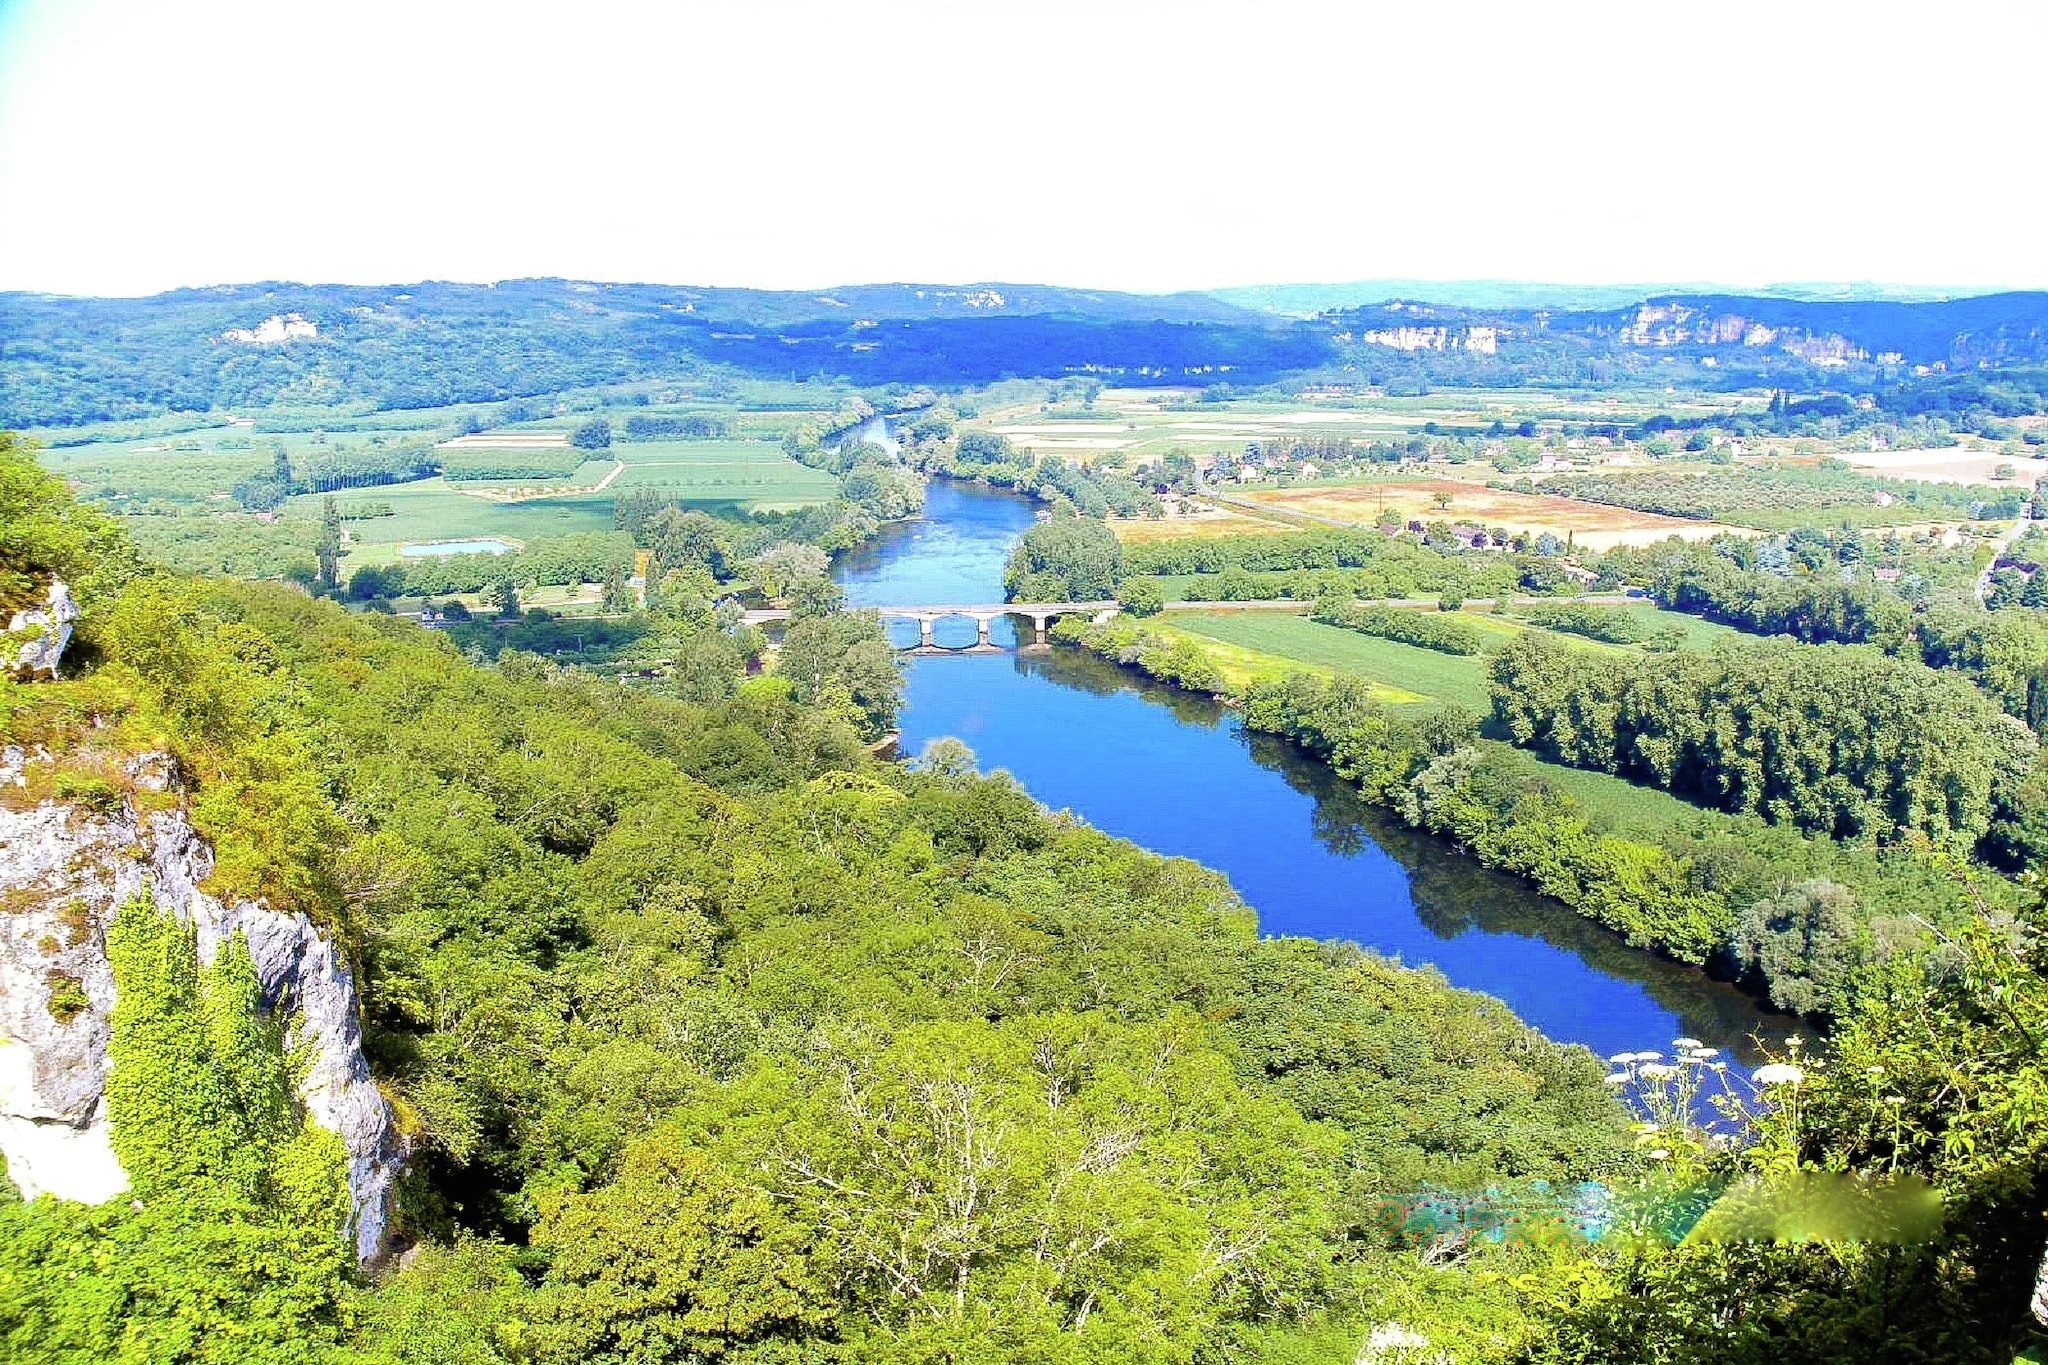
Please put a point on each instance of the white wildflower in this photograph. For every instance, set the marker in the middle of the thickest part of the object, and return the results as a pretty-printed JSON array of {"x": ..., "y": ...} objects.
[
  {"x": 1618, "y": 1078},
  {"x": 1659, "y": 1154},
  {"x": 1390, "y": 1341},
  {"x": 1687, "y": 1044},
  {"x": 1779, "y": 1073},
  {"x": 1657, "y": 1071}
]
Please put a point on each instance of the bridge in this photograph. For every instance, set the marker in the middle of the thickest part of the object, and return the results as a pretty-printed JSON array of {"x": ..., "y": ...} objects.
[{"x": 1040, "y": 614}]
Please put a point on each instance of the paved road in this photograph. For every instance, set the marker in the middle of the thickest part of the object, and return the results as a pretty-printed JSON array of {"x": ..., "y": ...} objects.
[{"x": 2019, "y": 528}]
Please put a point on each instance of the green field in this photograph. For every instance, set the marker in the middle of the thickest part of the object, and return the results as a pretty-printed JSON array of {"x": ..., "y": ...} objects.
[
  {"x": 431, "y": 510},
  {"x": 1460, "y": 679},
  {"x": 753, "y": 472},
  {"x": 1621, "y": 805},
  {"x": 1436, "y": 678},
  {"x": 1700, "y": 633}
]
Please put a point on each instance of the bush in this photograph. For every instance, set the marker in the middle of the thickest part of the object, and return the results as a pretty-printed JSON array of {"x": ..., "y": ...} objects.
[
  {"x": 1444, "y": 632},
  {"x": 1141, "y": 597}
]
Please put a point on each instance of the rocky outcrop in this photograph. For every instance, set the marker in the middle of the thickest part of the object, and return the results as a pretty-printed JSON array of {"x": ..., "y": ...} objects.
[
  {"x": 37, "y": 636},
  {"x": 63, "y": 871},
  {"x": 1484, "y": 339}
]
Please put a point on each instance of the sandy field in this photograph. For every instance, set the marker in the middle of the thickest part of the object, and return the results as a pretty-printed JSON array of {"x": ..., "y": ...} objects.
[
  {"x": 1210, "y": 521},
  {"x": 1067, "y": 442},
  {"x": 1592, "y": 525},
  {"x": 1063, "y": 429},
  {"x": 537, "y": 440},
  {"x": 1950, "y": 465}
]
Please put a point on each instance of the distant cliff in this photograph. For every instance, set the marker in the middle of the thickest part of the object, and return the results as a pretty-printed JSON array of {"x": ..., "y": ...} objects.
[{"x": 1950, "y": 334}]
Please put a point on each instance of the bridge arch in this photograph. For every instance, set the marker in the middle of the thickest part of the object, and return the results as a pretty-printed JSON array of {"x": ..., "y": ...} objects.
[{"x": 1041, "y": 615}]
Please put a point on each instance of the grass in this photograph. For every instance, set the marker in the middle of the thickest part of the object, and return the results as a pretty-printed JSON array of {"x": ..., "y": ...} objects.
[
  {"x": 157, "y": 467},
  {"x": 1267, "y": 645},
  {"x": 1700, "y": 633},
  {"x": 1621, "y": 805},
  {"x": 1419, "y": 675},
  {"x": 431, "y": 510},
  {"x": 754, "y": 473},
  {"x": 1244, "y": 664}
]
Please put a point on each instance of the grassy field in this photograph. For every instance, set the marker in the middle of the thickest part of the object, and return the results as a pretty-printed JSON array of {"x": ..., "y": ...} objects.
[
  {"x": 754, "y": 473},
  {"x": 1242, "y": 664},
  {"x": 1699, "y": 632},
  {"x": 431, "y": 510},
  {"x": 730, "y": 475},
  {"x": 1621, "y": 805},
  {"x": 1419, "y": 675}
]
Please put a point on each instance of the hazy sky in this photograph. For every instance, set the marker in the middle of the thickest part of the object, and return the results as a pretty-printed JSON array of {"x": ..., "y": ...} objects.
[{"x": 146, "y": 144}]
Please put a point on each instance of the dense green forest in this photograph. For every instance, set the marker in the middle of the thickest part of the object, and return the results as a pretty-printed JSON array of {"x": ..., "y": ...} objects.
[
  {"x": 1822, "y": 587},
  {"x": 1840, "y": 740}
]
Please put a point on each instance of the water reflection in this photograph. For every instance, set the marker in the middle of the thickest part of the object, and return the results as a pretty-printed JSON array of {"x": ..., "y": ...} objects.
[
  {"x": 1172, "y": 772},
  {"x": 1461, "y": 906}
]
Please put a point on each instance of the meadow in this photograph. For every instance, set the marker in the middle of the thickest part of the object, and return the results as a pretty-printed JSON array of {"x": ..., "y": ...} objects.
[
  {"x": 1410, "y": 675},
  {"x": 431, "y": 510}
]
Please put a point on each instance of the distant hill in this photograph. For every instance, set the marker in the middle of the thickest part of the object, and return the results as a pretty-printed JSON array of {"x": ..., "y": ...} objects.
[
  {"x": 67, "y": 361},
  {"x": 1308, "y": 300}
]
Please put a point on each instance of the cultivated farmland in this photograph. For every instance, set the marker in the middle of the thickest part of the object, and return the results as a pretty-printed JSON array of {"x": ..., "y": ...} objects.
[{"x": 1592, "y": 525}]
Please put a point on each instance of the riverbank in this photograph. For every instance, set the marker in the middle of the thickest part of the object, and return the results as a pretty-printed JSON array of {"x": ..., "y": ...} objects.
[
  {"x": 1669, "y": 877},
  {"x": 1172, "y": 771}
]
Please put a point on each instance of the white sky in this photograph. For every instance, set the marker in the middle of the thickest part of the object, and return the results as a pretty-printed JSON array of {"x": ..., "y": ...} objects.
[{"x": 1125, "y": 144}]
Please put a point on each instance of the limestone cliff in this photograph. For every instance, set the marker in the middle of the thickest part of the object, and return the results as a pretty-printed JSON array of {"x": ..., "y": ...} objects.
[
  {"x": 36, "y": 637},
  {"x": 64, "y": 868}
]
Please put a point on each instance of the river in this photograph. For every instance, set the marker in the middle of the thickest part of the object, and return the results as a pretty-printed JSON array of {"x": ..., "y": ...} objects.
[{"x": 1177, "y": 774}]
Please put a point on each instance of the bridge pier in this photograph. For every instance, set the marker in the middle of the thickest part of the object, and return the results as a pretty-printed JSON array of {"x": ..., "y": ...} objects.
[
  {"x": 981, "y": 632},
  {"x": 1038, "y": 622},
  {"x": 924, "y": 632}
]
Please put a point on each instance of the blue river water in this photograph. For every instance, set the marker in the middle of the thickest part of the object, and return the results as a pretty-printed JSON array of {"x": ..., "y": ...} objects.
[{"x": 1177, "y": 774}]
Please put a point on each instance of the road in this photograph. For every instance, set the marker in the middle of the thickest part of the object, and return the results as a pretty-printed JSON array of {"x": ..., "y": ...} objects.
[{"x": 1998, "y": 547}]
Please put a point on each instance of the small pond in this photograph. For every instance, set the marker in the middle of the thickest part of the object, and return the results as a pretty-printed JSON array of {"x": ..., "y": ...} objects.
[{"x": 482, "y": 546}]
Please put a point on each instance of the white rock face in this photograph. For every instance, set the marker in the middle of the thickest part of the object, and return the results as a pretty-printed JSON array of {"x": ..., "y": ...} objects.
[
  {"x": 63, "y": 871},
  {"x": 49, "y": 628},
  {"x": 272, "y": 330}
]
